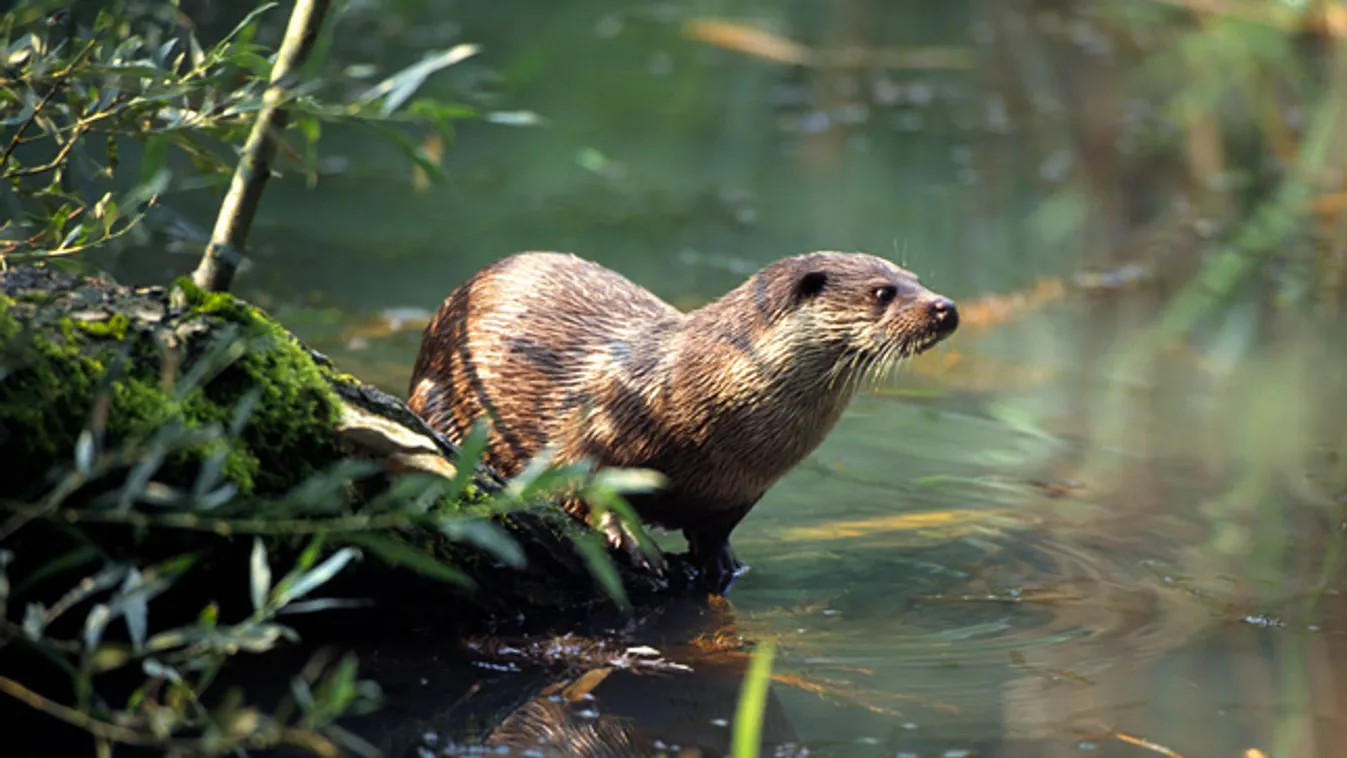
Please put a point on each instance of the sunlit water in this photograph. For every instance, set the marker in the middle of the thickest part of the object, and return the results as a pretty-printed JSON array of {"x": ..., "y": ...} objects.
[{"x": 974, "y": 563}]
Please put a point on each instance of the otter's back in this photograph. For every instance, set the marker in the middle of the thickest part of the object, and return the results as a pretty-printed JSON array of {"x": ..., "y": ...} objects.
[{"x": 524, "y": 341}]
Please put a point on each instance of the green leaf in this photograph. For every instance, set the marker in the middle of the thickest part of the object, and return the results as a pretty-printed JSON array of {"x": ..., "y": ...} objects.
[
  {"x": 595, "y": 554},
  {"x": 399, "y": 87},
  {"x": 34, "y": 621},
  {"x": 746, "y": 737},
  {"x": 470, "y": 453},
  {"x": 625, "y": 481},
  {"x": 154, "y": 668},
  {"x": 260, "y": 575},
  {"x": 488, "y": 536},
  {"x": 315, "y": 578},
  {"x": 322, "y": 604},
  {"x": 6, "y": 557},
  {"x": 312, "y": 129},
  {"x": 84, "y": 453},
  {"x": 94, "y": 624},
  {"x": 398, "y": 553},
  {"x": 154, "y": 157},
  {"x": 134, "y": 606},
  {"x": 244, "y": 30},
  {"x": 413, "y": 151}
]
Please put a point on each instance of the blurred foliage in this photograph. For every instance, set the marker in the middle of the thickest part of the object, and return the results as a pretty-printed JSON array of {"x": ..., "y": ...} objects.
[{"x": 83, "y": 83}]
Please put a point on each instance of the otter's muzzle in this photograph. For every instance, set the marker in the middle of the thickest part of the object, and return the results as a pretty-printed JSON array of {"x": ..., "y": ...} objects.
[{"x": 944, "y": 315}]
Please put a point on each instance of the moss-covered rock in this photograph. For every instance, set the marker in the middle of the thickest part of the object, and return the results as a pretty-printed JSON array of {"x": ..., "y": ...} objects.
[{"x": 85, "y": 355}]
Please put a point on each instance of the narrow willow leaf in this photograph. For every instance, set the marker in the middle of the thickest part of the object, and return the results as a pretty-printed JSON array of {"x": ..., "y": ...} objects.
[
  {"x": 311, "y": 580},
  {"x": 523, "y": 482},
  {"x": 323, "y": 604},
  {"x": 244, "y": 25},
  {"x": 401, "y": 86},
  {"x": 260, "y": 575},
  {"x": 134, "y": 487},
  {"x": 339, "y": 687},
  {"x": 415, "y": 492},
  {"x": 153, "y": 158},
  {"x": 514, "y": 118},
  {"x": 321, "y": 493},
  {"x": 470, "y": 452},
  {"x": 257, "y": 638},
  {"x": 413, "y": 151},
  {"x": 84, "y": 453},
  {"x": 154, "y": 668},
  {"x": 746, "y": 737},
  {"x": 34, "y": 621},
  {"x": 303, "y": 695},
  {"x": 398, "y": 553},
  {"x": 630, "y": 480},
  {"x": 310, "y": 554},
  {"x": 135, "y": 609},
  {"x": 243, "y": 411},
  {"x": 6, "y": 557},
  {"x": 94, "y": 624},
  {"x": 487, "y": 535},
  {"x": 210, "y": 474},
  {"x": 305, "y": 561},
  {"x": 600, "y": 564}
]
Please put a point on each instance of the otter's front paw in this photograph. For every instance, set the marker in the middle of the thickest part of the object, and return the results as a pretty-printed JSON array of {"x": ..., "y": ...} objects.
[{"x": 623, "y": 539}]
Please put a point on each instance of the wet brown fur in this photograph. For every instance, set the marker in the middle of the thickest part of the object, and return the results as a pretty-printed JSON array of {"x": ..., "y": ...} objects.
[{"x": 723, "y": 400}]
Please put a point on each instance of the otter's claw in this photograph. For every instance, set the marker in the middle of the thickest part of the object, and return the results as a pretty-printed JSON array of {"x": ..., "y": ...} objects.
[{"x": 620, "y": 537}]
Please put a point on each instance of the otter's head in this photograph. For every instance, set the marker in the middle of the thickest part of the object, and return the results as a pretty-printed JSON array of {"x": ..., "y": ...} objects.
[{"x": 867, "y": 312}]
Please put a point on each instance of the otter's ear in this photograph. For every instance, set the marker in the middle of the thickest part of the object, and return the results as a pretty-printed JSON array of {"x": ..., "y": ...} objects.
[{"x": 811, "y": 284}]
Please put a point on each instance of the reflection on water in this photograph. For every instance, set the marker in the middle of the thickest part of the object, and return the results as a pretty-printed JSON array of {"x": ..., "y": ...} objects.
[{"x": 1034, "y": 542}]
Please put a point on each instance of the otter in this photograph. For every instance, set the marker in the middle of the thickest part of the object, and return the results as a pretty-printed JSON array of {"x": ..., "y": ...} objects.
[{"x": 559, "y": 353}]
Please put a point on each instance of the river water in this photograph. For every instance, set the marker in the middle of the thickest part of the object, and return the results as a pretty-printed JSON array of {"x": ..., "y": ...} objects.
[{"x": 1030, "y": 542}]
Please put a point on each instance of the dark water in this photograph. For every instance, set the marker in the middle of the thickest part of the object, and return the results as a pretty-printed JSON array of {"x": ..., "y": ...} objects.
[{"x": 1030, "y": 543}]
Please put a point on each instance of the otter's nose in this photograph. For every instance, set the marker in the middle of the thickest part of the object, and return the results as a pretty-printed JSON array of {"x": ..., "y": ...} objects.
[{"x": 945, "y": 314}]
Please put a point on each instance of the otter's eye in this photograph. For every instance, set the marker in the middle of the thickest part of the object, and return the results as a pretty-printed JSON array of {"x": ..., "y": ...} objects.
[{"x": 885, "y": 294}]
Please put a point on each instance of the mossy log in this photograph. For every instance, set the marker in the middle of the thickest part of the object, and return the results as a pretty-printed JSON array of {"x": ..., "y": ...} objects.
[{"x": 90, "y": 370}]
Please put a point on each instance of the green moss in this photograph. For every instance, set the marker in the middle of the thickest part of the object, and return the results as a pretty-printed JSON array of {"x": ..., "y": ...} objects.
[
  {"x": 291, "y": 428},
  {"x": 55, "y": 374},
  {"x": 113, "y": 328}
]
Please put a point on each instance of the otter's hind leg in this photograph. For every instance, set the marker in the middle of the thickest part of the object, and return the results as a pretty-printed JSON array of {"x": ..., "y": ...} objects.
[{"x": 709, "y": 545}]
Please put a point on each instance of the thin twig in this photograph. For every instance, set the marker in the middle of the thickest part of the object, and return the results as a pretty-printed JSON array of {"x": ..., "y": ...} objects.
[
  {"x": 218, "y": 264},
  {"x": 56, "y": 83},
  {"x": 54, "y": 163},
  {"x": 1154, "y": 747},
  {"x": 76, "y": 718}
]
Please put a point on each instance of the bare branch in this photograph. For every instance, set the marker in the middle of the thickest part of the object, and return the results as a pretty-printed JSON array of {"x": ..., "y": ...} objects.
[{"x": 218, "y": 264}]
